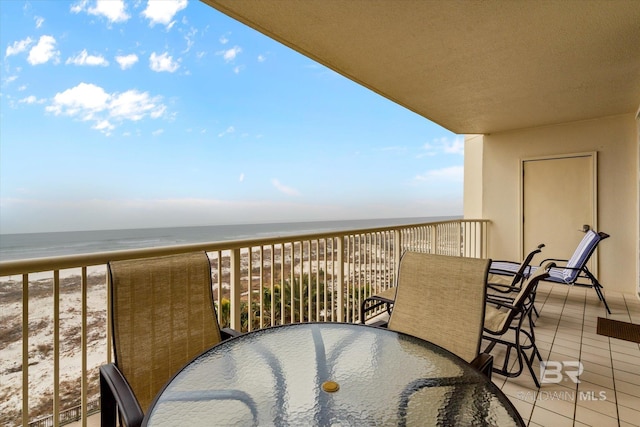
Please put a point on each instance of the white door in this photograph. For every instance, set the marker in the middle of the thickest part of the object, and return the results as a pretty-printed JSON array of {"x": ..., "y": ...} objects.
[{"x": 559, "y": 200}]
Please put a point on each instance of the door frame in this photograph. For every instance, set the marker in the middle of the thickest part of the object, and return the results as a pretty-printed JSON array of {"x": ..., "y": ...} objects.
[{"x": 594, "y": 208}]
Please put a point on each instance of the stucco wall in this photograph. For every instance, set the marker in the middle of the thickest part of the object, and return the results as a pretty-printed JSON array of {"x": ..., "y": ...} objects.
[
  {"x": 473, "y": 176},
  {"x": 614, "y": 138}
]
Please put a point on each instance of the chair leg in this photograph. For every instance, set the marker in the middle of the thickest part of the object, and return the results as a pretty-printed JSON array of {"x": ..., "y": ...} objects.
[
  {"x": 598, "y": 288},
  {"x": 108, "y": 407},
  {"x": 520, "y": 352},
  {"x": 534, "y": 353}
]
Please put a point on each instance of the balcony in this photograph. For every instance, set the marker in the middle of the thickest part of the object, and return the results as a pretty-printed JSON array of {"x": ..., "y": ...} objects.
[
  {"x": 49, "y": 365},
  {"x": 57, "y": 332}
]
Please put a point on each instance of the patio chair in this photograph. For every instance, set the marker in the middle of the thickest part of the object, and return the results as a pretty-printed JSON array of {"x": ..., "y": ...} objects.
[
  {"x": 441, "y": 299},
  {"x": 163, "y": 316},
  {"x": 502, "y": 316},
  {"x": 504, "y": 283},
  {"x": 514, "y": 272},
  {"x": 386, "y": 298},
  {"x": 573, "y": 271}
]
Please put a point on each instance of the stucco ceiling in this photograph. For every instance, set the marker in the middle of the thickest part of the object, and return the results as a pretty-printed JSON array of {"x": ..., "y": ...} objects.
[{"x": 470, "y": 66}]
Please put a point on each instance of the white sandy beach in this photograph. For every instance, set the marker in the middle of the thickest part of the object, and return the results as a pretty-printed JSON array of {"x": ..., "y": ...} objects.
[{"x": 40, "y": 344}]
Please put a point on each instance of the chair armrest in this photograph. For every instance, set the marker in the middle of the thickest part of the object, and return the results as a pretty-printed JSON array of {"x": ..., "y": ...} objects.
[
  {"x": 502, "y": 272},
  {"x": 504, "y": 261},
  {"x": 505, "y": 289},
  {"x": 378, "y": 301},
  {"x": 116, "y": 394},
  {"x": 226, "y": 333},
  {"x": 500, "y": 303},
  {"x": 380, "y": 324},
  {"x": 554, "y": 259},
  {"x": 483, "y": 363},
  {"x": 497, "y": 297}
]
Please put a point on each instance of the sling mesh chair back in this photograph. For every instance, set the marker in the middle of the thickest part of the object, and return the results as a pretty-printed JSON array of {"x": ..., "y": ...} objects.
[
  {"x": 163, "y": 316},
  {"x": 572, "y": 271},
  {"x": 502, "y": 316},
  {"x": 441, "y": 299}
]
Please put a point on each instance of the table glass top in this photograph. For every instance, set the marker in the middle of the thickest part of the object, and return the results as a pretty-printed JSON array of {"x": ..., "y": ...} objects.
[{"x": 329, "y": 374}]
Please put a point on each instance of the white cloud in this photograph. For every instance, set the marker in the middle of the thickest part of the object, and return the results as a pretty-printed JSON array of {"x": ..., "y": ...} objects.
[
  {"x": 18, "y": 47},
  {"x": 127, "y": 61},
  {"x": 230, "y": 54},
  {"x": 262, "y": 58},
  {"x": 284, "y": 189},
  {"x": 443, "y": 145},
  {"x": 83, "y": 58},
  {"x": 163, "y": 11},
  {"x": 223, "y": 39},
  {"x": 88, "y": 102},
  {"x": 84, "y": 100},
  {"x": 189, "y": 39},
  {"x": 448, "y": 174},
  {"x": 9, "y": 79},
  {"x": 157, "y": 132},
  {"x": 104, "y": 126},
  {"x": 113, "y": 10},
  {"x": 31, "y": 100},
  {"x": 43, "y": 51},
  {"x": 133, "y": 105},
  {"x": 227, "y": 131},
  {"x": 162, "y": 62},
  {"x": 241, "y": 179},
  {"x": 39, "y": 21},
  {"x": 158, "y": 112},
  {"x": 238, "y": 68},
  {"x": 453, "y": 147}
]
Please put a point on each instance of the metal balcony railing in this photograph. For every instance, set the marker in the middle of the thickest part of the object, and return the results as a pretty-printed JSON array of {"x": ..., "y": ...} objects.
[{"x": 56, "y": 330}]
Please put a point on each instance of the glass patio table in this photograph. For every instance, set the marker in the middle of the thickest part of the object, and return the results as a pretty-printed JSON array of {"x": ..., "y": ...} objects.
[{"x": 328, "y": 374}]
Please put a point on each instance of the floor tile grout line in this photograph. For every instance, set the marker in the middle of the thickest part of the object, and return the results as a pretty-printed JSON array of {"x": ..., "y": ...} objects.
[
  {"x": 612, "y": 376},
  {"x": 575, "y": 402},
  {"x": 565, "y": 308},
  {"x": 564, "y": 302}
]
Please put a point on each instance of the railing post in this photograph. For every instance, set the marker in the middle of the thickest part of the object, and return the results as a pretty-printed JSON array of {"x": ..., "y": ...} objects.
[
  {"x": 485, "y": 239},
  {"x": 397, "y": 253},
  {"x": 109, "y": 322},
  {"x": 25, "y": 349},
  {"x": 234, "y": 283},
  {"x": 340, "y": 278},
  {"x": 56, "y": 348},
  {"x": 434, "y": 239},
  {"x": 461, "y": 241},
  {"x": 83, "y": 382}
]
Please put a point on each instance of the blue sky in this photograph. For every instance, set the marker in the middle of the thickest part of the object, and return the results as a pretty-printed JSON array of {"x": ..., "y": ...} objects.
[{"x": 151, "y": 114}]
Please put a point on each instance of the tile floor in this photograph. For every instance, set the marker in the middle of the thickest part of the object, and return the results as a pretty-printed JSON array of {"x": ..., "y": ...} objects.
[{"x": 608, "y": 392}]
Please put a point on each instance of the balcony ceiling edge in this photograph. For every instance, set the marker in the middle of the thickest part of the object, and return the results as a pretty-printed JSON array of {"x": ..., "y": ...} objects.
[{"x": 471, "y": 67}]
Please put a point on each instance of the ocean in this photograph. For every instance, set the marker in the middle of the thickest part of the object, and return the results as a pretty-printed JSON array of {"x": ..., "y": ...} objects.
[{"x": 38, "y": 245}]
